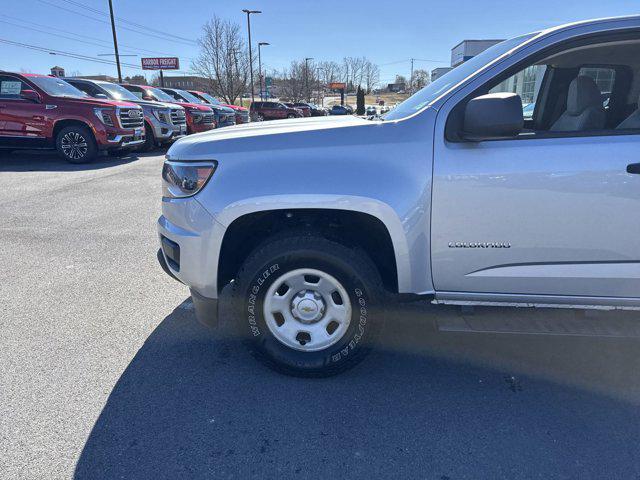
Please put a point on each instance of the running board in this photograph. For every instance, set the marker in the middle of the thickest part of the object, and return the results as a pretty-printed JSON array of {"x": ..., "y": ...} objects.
[{"x": 544, "y": 322}]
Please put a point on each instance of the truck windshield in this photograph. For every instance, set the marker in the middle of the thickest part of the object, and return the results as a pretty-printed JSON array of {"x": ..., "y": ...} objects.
[
  {"x": 118, "y": 93},
  {"x": 162, "y": 96},
  {"x": 57, "y": 87},
  {"x": 188, "y": 97},
  {"x": 210, "y": 99},
  {"x": 428, "y": 94}
]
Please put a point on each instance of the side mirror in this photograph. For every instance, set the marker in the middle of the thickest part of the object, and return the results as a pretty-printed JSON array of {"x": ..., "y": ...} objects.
[
  {"x": 493, "y": 116},
  {"x": 30, "y": 95}
]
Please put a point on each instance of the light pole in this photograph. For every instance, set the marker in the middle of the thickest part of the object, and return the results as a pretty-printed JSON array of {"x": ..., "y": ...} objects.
[
  {"x": 249, "y": 12},
  {"x": 306, "y": 77},
  {"x": 261, "y": 44}
]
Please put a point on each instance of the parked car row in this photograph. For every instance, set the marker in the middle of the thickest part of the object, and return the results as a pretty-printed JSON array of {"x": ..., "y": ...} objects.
[
  {"x": 81, "y": 117},
  {"x": 272, "y": 110}
]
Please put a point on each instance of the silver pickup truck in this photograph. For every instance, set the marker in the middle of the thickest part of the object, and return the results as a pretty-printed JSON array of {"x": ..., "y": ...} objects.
[{"x": 453, "y": 196}]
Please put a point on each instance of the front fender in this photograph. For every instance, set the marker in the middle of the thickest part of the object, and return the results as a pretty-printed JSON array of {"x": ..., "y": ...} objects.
[{"x": 370, "y": 206}]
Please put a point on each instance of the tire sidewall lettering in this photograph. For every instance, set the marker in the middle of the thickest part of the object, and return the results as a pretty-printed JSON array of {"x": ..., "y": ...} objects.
[
  {"x": 360, "y": 329},
  {"x": 252, "y": 297}
]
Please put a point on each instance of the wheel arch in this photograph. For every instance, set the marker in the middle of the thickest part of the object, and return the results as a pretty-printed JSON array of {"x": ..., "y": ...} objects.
[
  {"x": 71, "y": 122},
  {"x": 371, "y": 225}
]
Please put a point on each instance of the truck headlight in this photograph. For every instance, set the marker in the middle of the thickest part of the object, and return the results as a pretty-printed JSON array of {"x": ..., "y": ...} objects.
[
  {"x": 184, "y": 179},
  {"x": 105, "y": 115},
  {"x": 162, "y": 115},
  {"x": 196, "y": 114}
]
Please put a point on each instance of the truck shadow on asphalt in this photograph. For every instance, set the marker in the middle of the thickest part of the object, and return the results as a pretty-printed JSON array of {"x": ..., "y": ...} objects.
[
  {"x": 47, "y": 161},
  {"x": 442, "y": 406}
]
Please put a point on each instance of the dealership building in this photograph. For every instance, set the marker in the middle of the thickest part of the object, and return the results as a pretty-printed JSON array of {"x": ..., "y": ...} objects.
[
  {"x": 525, "y": 83},
  {"x": 187, "y": 82}
]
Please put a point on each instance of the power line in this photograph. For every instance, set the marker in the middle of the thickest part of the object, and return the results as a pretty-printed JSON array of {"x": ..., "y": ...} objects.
[
  {"x": 123, "y": 20},
  {"x": 162, "y": 37},
  {"x": 66, "y": 54},
  {"x": 84, "y": 38},
  {"x": 102, "y": 45}
]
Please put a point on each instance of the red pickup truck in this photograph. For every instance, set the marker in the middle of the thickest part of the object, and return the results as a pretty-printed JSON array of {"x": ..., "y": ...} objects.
[
  {"x": 40, "y": 111},
  {"x": 200, "y": 118}
]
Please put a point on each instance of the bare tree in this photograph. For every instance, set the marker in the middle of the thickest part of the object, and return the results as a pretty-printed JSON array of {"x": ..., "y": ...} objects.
[
  {"x": 329, "y": 72},
  {"x": 297, "y": 82},
  {"x": 223, "y": 59},
  {"x": 420, "y": 79},
  {"x": 136, "y": 79},
  {"x": 371, "y": 75}
]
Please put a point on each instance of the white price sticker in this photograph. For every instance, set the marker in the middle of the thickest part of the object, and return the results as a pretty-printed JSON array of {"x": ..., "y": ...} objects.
[{"x": 10, "y": 88}]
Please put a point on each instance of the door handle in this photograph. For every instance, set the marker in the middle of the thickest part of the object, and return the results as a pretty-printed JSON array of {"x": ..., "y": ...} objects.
[{"x": 633, "y": 168}]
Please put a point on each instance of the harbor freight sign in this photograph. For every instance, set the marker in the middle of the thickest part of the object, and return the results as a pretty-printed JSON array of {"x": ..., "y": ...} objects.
[{"x": 161, "y": 63}]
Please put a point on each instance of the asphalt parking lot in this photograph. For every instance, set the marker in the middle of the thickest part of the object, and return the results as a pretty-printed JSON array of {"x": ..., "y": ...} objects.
[{"x": 105, "y": 373}]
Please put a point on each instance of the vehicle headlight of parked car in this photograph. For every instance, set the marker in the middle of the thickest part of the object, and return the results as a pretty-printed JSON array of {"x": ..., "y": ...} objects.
[
  {"x": 185, "y": 179},
  {"x": 105, "y": 115},
  {"x": 197, "y": 115},
  {"x": 162, "y": 114}
]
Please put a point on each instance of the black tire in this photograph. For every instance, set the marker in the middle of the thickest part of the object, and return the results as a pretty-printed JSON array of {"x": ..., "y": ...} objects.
[
  {"x": 260, "y": 118},
  {"x": 149, "y": 139},
  {"x": 76, "y": 144},
  {"x": 356, "y": 274},
  {"x": 291, "y": 115}
]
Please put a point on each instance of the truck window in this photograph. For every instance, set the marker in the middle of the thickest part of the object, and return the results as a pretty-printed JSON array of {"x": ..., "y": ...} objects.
[
  {"x": 11, "y": 87},
  {"x": 605, "y": 78},
  {"x": 588, "y": 88},
  {"x": 525, "y": 83},
  {"x": 86, "y": 88}
]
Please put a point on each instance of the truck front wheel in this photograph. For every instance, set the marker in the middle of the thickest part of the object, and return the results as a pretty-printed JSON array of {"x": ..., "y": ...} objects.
[
  {"x": 76, "y": 144},
  {"x": 309, "y": 306},
  {"x": 149, "y": 139}
]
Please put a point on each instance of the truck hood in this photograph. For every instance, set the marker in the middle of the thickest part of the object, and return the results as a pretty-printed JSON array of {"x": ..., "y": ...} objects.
[
  {"x": 154, "y": 104},
  {"x": 276, "y": 134},
  {"x": 98, "y": 102},
  {"x": 222, "y": 109},
  {"x": 235, "y": 107},
  {"x": 195, "y": 106}
]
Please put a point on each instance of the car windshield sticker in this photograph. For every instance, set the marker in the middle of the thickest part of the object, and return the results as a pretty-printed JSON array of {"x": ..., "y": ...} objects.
[{"x": 10, "y": 88}]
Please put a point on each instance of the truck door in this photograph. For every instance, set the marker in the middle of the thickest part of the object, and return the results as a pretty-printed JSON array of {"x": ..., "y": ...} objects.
[
  {"x": 23, "y": 122},
  {"x": 548, "y": 213}
]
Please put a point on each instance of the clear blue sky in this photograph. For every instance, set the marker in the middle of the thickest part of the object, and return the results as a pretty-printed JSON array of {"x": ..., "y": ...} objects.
[{"x": 387, "y": 32}]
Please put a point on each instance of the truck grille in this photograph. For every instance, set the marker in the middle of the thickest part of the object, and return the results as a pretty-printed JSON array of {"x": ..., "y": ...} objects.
[
  {"x": 208, "y": 118},
  {"x": 131, "y": 118},
  {"x": 244, "y": 114},
  {"x": 178, "y": 117}
]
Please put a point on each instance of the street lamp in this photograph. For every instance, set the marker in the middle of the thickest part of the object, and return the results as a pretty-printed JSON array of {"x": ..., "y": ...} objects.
[
  {"x": 306, "y": 77},
  {"x": 249, "y": 12},
  {"x": 261, "y": 44}
]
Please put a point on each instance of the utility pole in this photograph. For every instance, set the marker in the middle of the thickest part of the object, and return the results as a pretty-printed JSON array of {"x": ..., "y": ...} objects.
[
  {"x": 319, "y": 86},
  {"x": 411, "y": 78},
  {"x": 115, "y": 41},
  {"x": 249, "y": 12},
  {"x": 306, "y": 77},
  {"x": 261, "y": 44},
  {"x": 346, "y": 86}
]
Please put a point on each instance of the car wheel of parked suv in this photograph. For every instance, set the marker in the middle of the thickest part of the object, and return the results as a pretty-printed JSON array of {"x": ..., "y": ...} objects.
[
  {"x": 260, "y": 117},
  {"x": 309, "y": 306},
  {"x": 149, "y": 139},
  {"x": 76, "y": 144},
  {"x": 291, "y": 115}
]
